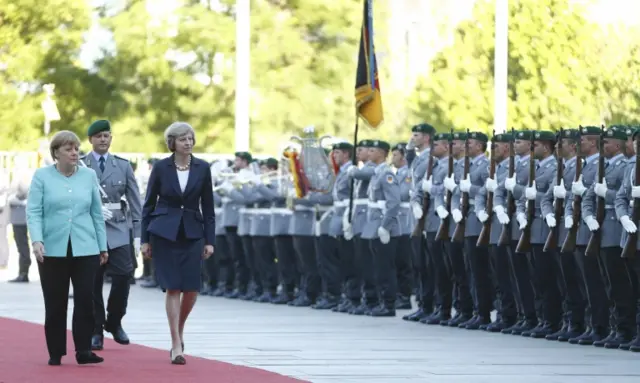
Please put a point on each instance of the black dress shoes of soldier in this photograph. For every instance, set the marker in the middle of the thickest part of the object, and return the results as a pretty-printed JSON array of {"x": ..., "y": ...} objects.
[
  {"x": 87, "y": 357},
  {"x": 618, "y": 340},
  {"x": 573, "y": 331},
  {"x": 118, "y": 333},
  {"x": 437, "y": 317},
  {"x": 383, "y": 311},
  {"x": 283, "y": 298},
  {"x": 22, "y": 278},
  {"x": 457, "y": 320},
  {"x": 590, "y": 336},
  {"x": 362, "y": 309},
  {"x": 541, "y": 331},
  {"x": 417, "y": 315},
  {"x": 327, "y": 302},
  {"x": 633, "y": 345},
  {"x": 403, "y": 303}
]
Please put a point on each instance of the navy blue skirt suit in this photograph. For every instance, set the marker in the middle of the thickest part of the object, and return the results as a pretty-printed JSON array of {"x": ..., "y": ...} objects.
[{"x": 178, "y": 224}]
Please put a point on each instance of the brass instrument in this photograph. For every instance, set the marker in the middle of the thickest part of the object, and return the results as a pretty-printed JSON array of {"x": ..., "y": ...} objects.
[{"x": 314, "y": 161}]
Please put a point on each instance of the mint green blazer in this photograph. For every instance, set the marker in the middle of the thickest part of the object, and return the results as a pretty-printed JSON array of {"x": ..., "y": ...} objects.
[{"x": 59, "y": 208}]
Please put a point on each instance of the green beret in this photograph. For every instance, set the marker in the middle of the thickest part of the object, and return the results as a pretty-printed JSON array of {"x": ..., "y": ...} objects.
[
  {"x": 503, "y": 137},
  {"x": 616, "y": 134},
  {"x": 568, "y": 133},
  {"x": 271, "y": 162},
  {"x": 524, "y": 135},
  {"x": 98, "y": 126},
  {"x": 590, "y": 131},
  {"x": 628, "y": 130},
  {"x": 401, "y": 147},
  {"x": 544, "y": 135},
  {"x": 479, "y": 136},
  {"x": 365, "y": 144},
  {"x": 380, "y": 145},
  {"x": 460, "y": 136},
  {"x": 342, "y": 146},
  {"x": 424, "y": 128},
  {"x": 245, "y": 156},
  {"x": 443, "y": 137}
]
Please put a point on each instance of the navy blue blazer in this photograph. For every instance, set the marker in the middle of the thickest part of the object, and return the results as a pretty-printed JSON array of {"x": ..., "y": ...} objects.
[{"x": 165, "y": 205}]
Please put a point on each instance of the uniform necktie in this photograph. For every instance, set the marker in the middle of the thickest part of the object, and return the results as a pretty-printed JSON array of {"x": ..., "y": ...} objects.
[{"x": 101, "y": 163}]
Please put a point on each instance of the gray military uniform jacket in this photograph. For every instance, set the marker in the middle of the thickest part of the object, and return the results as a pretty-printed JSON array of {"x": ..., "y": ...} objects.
[
  {"x": 623, "y": 199},
  {"x": 362, "y": 178},
  {"x": 478, "y": 173},
  {"x": 217, "y": 199},
  {"x": 547, "y": 204},
  {"x": 439, "y": 172},
  {"x": 340, "y": 193},
  {"x": 384, "y": 203},
  {"x": 545, "y": 172},
  {"x": 502, "y": 171},
  {"x": 280, "y": 223},
  {"x": 405, "y": 215},
  {"x": 118, "y": 180},
  {"x": 303, "y": 218},
  {"x": 324, "y": 204},
  {"x": 589, "y": 171},
  {"x": 610, "y": 228},
  {"x": 259, "y": 212},
  {"x": 239, "y": 211},
  {"x": 500, "y": 196}
]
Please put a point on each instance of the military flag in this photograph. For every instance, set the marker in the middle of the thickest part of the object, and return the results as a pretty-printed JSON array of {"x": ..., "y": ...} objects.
[{"x": 368, "y": 97}]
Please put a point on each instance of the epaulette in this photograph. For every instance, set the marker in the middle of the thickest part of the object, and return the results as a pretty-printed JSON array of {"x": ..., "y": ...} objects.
[{"x": 120, "y": 158}]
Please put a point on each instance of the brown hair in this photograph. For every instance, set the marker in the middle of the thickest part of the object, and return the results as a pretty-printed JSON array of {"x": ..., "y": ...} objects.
[{"x": 63, "y": 138}]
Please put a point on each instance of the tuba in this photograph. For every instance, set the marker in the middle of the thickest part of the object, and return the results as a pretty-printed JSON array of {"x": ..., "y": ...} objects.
[{"x": 313, "y": 169}]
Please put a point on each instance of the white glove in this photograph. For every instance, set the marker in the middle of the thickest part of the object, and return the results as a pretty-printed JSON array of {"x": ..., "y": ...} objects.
[
  {"x": 482, "y": 216},
  {"x": 106, "y": 213},
  {"x": 551, "y": 220},
  {"x": 531, "y": 192},
  {"x": 522, "y": 220},
  {"x": 450, "y": 183},
  {"x": 226, "y": 186},
  {"x": 568, "y": 222},
  {"x": 491, "y": 185},
  {"x": 465, "y": 184},
  {"x": 628, "y": 224},
  {"x": 442, "y": 212},
  {"x": 559, "y": 191},
  {"x": 510, "y": 183},
  {"x": 503, "y": 218},
  {"x": 257, "y": 179},
  {"x": 635, "y": 191},
  {"x": 427, "y": 185},
  {"x": 601, "y": 188},
  {"x": 457, "y": 215},
  {"x": 578, "y": 188},
  {"x": 348, "y": 233},
  {"x": 410, "y": 144},
  {"x": 417, "y": 210},
  {"x": 592, "y": 223},
  {"x": 136, "y": 246},
  {"x": 384, "y": 235},
  {"x": 345, "y": 220}
]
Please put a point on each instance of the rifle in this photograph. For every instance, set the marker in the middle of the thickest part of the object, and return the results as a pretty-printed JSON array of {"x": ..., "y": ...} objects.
[
  {"x": 552, "y": 238},
  {"x": 505, "y": 235},
  {"x": 485, "y": 234},
  {"x": 593, "y": 247},
  {"x": 458, "y": 234},
  {"x": 443, "y": 230},
  {"x": 524, "y": 244},
  {"x": 631, "y": 246},
  {"x": 426, "y": 201},
  {"x": 569, "y": 244}
]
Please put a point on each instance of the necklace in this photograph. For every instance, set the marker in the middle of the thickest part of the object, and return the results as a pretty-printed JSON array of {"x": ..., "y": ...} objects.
[
  {"x": 183, "y": 168},
  {"x": 66, "y": 174}
]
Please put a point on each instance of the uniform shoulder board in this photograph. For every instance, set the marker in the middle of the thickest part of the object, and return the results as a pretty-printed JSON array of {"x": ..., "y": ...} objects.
[
  {"x": 83, "y": 157},
  {"x": 120, "y": 158}
]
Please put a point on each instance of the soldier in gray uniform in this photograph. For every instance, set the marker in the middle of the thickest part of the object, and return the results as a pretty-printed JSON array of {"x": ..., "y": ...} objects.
[
  {"x": 519, "y": 262},
  {"x": 612, "y": 266},
  {"x": 220, "y": 266},
  {"x": 568, "y": 280},
  {"x": 501, "y": 270},
  {"x": 359, "y": 280},
  {"x": 116, "y": 178},
  {"x": 17, "y": 202},
  {"x": 597, "y": 312},
  {"x": 329, "y": 251},
  {"x": 407, "y": 223},
  {"x": 542, "y": 267},
  {"x": 476, "y": 257},
  {"x": 434, "y": 257},
  {"x": 629, "y": 292}
]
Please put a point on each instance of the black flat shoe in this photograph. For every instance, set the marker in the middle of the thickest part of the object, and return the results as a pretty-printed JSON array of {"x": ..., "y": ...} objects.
[
  {"x": 88, "y": 358},
  {"x": 55, "y": 361},
  {"x": 178, "y": 359}
]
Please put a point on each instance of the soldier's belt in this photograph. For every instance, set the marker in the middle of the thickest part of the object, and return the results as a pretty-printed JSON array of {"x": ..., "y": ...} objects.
[
  {"x": 225, "y": 199},
  {"x": 323, "y": 208},
  {"x": 303, "y": 208},
  {"x": 113, "y": 205},
  {"x": 255, "y": 210},
  {"x": 217, "y": 211},
  {"x": 281, "y": 210}
]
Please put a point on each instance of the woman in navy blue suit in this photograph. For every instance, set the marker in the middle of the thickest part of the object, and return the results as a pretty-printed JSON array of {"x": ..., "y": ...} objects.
[{"x": 178, "y": 228}]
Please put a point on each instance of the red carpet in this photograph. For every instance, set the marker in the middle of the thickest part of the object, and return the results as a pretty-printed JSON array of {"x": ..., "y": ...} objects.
[{"x": 23, "y": 359}]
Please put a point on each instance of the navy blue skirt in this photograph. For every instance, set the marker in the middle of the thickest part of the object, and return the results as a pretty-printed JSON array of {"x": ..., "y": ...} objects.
[{"x": 178, "y": 264}]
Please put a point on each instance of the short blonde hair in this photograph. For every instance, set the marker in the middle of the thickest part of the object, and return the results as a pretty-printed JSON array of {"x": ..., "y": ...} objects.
[
  {"x": 63, "y": 138},
  {"x": 176, "y": 130}
]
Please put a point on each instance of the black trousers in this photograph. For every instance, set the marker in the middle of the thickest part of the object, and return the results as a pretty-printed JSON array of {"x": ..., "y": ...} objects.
[
  {"x": 477, "y": 263},
  {"x": 265, "y": 262},
  {"x": 255, "y": 283},
  {"x": 440, "y": 273},
  {"x": 132, "y": 253},
  {"x": 545, "y": 285},
  {"x": 242, "y": 274},
  {"x": 310, "y": 283},
  {"x": 20, "y": 235},
  {"x": 55, "y": 274},
  {"x": 328, "y": 253},
  {"x": 287, "y": 265},
  {"x": 404, "y": 267},
  {"x": 426, "y": 283},
  {"x": 384, "y": 260},
  {"x": 620, "y": 289},
  {"x": 522, "y": 278},
  {"x": 571, "y": 288},
  {"x": 597, "y": 312},
  {"x": 351, "y": 282},
  {"x": 460, "y": 279},
  {"x": 224, "y": 263},
  {"x": 633, "y": 273},
  {"x": 501, "y": 270},
  {"x": 366, "y": 268},
  {"x": 119, "y": 268}
]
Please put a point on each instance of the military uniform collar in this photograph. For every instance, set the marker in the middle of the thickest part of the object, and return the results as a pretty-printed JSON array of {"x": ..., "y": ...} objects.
[
  {"x": 615, "y": 158},
  {"x": 545, "y": 161},
  {"x": 403, "y": 167},
  {"x": 592, "y": 158},
  {"x": 97, "y": 156},
  {"x": 571, "y": 161},
  {"x": 478, "y": 158},
  {"x": 345, "y": 166},
  {"x": 523, "y": 158},
  {"x": 504, "y": 162}
]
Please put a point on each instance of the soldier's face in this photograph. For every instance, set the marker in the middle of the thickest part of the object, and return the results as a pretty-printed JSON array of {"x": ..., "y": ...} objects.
[
  {"x": 588, "y": 144},
  {"x": 239, "y": 163},
  {"x": 612, "y": 147},
  {"x": 540, "y": 150},
  {"x": 521, "y": 147},
  {"x": 362, "y": 154},
  {"x": 101, "y": 142},
  {"x": 440, "y": 148},
  {"x": 376, "y": 154},
  {"x": 629, "y": 147},
  {"x": 458, "y": 148},
  {"x": 418, "y": 138},
  {"x": 502, "y": 150},
  {"x": 397, "y": 158}
]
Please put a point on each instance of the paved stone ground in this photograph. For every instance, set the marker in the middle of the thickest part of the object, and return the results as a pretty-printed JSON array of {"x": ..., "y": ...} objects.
[{"x": 324, "y": 347}]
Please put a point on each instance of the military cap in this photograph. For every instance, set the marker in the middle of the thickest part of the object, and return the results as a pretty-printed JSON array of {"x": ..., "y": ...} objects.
[
  {"x": 342, "y": 146},
  {"x": 459, "y": 135},
  {"x": 524, "y": 135},
  {"x": 380, "y": 145},
  {"x": 365, "y": 143},
  {"x": 424, "y": 128},
  {"x": 635, "y": 133},
  {"x": 544, "y": 135},
  {"x": 271, "y": 162},
  {"x": 617, "y": 134},
  {"x": 478, "y": 136},
  {"x": 245, "y": 156},
  {"x": 629, "y": 130},
  {"x": 568, "y": 133},
  {"x": 590, "y": 131},
  {"x": 98, "y": 126},
  {"x": 443, "y": 137},
  {"x": 503, "y": 137},
  {"x": 401, "y": 147}
]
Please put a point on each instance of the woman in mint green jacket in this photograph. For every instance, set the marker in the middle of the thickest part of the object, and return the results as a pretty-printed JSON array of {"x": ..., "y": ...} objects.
[{"x": 67, "y": 230}]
